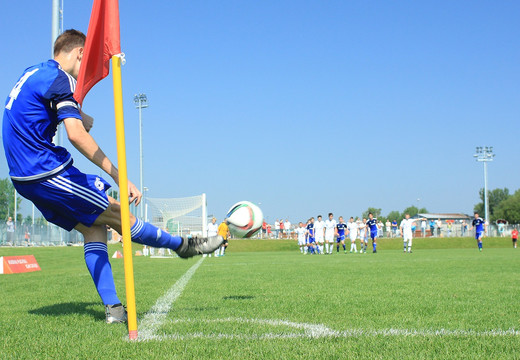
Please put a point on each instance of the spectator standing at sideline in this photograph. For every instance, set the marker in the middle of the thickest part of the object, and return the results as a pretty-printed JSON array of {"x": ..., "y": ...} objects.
[
  {"x": 10, "y": 230},
  {"x": 282, "y": 226},
  {"x": 394, "y": 228},
  {"x": 439, "y": 226},
  {"x": 423, "y": 227},
  {"x": 276, "y": 228},
  {"x": 388, "y": 226},
  {"x": 432, "y": 228},
  {"x": 287, "y": 228}
]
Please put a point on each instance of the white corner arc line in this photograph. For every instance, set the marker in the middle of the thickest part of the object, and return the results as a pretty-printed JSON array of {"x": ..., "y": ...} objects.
[{"x": 154, "y": 318}]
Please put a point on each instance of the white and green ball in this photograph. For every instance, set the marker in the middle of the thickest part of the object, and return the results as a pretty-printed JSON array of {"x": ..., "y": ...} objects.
[{"x": 244, "y": 219}]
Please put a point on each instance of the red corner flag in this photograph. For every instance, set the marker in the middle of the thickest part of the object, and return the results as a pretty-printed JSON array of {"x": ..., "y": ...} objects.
[{"x": 102, "y": 43}]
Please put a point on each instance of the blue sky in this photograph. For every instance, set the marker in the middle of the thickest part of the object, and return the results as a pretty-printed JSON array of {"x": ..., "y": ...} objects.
[{"x": 303, "y": 106}]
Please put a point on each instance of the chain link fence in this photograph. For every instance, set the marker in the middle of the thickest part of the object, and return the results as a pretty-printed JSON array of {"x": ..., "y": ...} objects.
[{"x": 39, "y": 235}]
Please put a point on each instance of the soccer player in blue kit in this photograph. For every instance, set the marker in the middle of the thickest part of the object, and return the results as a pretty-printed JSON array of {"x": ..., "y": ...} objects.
[
  {"x": 44, "y": 173},
  {"x": 372, "y": 225},
  {"x": 340, "y": 234},
  {"x": 480, "y": 227},
  {"x": 310, "y": 236}
]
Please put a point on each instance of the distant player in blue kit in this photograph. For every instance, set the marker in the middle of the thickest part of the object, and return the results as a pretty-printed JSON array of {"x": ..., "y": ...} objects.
[
  {"x": 341, "y": 227},
  {"x": 480, "y": 228},
  {"x": 42, "y": 172},
  {"x": 311, "y": 237},
  {"x": 372, "y": 226}
]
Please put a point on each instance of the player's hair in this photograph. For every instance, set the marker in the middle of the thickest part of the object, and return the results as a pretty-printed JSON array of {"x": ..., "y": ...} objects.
[
  {"x": 69, "y": 40},
  {"x": 331, "y": 214},
  {"x": 370, "y": 214},
  {"x": 320, "y": 216},
  {"x": 475, "y": 213},
  {"x": 352, "y": 217},
  {"x": 341, "y": 217}
]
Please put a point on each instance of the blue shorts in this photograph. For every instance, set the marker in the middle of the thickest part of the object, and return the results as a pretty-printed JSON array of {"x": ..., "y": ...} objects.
[
  {"x": 311, "y": 240},
  {"x": 340, "y": 238},
  {"x": 69, "y": 198},
  {"x": 478, "y": 235},
  {"x": 373, "y": 235}
]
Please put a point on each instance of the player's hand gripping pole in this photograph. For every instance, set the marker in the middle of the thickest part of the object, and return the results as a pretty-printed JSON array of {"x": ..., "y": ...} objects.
[{"x": 123, "y": 189}]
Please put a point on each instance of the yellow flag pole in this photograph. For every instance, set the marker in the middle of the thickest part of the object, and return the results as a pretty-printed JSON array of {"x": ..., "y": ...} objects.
[{"x": 123, "y": 189}]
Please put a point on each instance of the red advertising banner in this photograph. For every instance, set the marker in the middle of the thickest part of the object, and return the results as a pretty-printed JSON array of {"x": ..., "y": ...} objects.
[{"x": 18, "y": 264}]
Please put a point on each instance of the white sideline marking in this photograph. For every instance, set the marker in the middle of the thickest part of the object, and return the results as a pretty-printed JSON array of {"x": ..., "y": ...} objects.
[
  {"x": 154, "y": 318},
  {"x": 319, "y": 331}
]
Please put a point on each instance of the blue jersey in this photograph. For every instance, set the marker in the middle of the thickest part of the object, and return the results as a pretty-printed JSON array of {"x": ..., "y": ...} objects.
[
  {"x": 310, "y": 229},
  {"x": 40, "y": 100},
  {"x": 341, "y": 228},
  {"x": 372, "y": 224},
  {"x": 479, "y": 225}
]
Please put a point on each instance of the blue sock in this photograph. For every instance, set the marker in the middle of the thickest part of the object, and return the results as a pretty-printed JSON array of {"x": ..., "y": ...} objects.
[
  {"x": 480, "y": 244},
  {"x": 96, "y": 258},
  {"x": 147, "y": 234},
  {"x": 374, "y": 246},
  {"x": 344, "y": 247}
]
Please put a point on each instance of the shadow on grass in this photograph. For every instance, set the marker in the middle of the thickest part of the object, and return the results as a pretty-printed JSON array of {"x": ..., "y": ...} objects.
[
  {"x": 238, "y": 297},
  {"x": 64, "y": 309}
]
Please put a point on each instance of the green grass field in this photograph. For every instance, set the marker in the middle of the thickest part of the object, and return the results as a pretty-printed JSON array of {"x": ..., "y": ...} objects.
[{"x": 264, "y": 300}]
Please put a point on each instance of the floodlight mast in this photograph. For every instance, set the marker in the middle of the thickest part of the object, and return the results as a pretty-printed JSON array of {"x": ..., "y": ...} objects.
[
  {"x": 141, "y": 102},
  {"x": 485, "y": 155}
]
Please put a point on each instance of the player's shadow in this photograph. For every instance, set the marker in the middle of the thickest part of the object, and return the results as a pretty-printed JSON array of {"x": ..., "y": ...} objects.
[
  {"x": 64, "y": 309},
  {"x": 238, "y": 297}
]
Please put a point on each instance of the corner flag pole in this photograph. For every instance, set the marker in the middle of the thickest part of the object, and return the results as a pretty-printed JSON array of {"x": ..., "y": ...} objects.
[{"x": 125, "y": 208}]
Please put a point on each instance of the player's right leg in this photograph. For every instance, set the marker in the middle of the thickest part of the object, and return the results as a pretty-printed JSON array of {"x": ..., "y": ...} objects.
[{"x": 148, "y": 234}]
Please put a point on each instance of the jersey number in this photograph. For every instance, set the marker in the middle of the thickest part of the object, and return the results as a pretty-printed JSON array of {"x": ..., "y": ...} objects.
[{"x": 16, "y": 90}]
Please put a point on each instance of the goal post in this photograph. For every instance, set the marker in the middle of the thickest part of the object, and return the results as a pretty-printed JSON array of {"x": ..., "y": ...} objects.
[{"x": 179, "y": 216}]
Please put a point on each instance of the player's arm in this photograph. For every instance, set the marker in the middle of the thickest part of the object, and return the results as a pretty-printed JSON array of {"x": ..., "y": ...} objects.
[
  {"x": 86, "y": 145},
  {"x": 88, "y": 121}
]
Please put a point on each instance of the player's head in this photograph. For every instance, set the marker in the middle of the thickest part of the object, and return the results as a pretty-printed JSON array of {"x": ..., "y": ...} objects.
[
  {"x": 213, "y": 220},
  {"x": 319, "y": 217},
  {"x": 331, "y": 215},
  {"x": 407, "y": 216},
  {"x": 301, "y": 224},
  {"x": 68, "y": 50},
  {"x": 370, "y": 216},
  {"x": 311, "y": 220},
  {"x": 351, "y": 219},
  {"x": 476, "y": 215},
  {"x": 364, "y": 220},
  {"x": 340, "y": 219}
]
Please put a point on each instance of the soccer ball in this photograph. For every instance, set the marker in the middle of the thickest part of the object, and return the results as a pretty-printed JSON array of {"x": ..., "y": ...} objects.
[{"x": 244, "y": 219}]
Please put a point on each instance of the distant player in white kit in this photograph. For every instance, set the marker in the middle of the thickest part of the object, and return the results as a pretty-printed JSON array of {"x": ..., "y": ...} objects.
[
  {"x": 362, "y": 234},
  {"x": 319, "y": 231},
  {"x": 352, "y": 228},
  {"x": 301, "y": 231},
  {"x": 406, "y": 231},
  {"x": 330, "y": 228},
  {"x": 213, "y": 231}
]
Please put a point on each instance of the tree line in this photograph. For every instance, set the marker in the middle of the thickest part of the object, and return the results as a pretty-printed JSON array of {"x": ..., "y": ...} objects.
[{"x": 502, "y": 205}]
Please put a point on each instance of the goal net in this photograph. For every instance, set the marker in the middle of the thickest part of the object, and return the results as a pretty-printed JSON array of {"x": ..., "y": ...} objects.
[{"x": 178, "y": 216}]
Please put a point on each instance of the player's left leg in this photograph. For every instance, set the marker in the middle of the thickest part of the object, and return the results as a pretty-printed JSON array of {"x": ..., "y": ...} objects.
[
  {"x": 410, "y": 244},
  {"x": 374, "y": 243},
  {"x": 479, "y": 242},
  {"x": 98, "y": 264}
]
